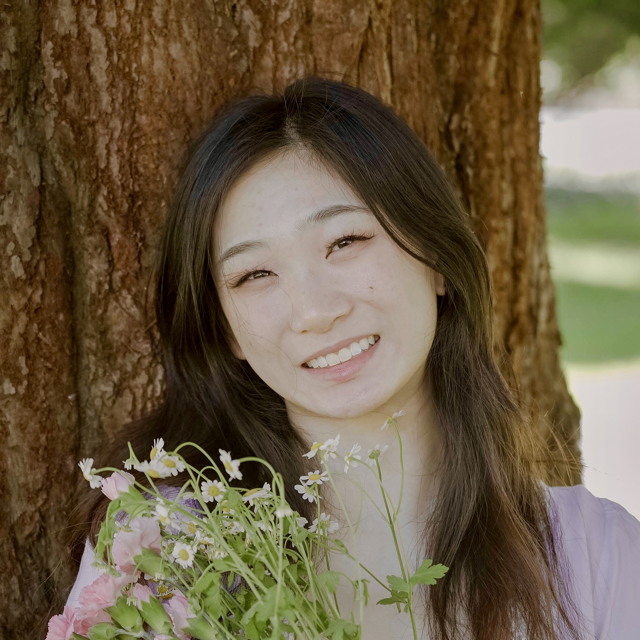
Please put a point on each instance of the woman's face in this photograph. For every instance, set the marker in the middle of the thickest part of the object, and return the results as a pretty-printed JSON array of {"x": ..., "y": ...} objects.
[{"x": 308, "y": 294}]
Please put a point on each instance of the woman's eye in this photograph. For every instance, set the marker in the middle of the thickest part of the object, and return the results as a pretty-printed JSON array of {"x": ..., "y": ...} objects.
[{"x": 351, "y": 238}]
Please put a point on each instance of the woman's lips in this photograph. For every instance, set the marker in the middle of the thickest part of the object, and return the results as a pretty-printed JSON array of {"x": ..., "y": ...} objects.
[{"x": 345, "y": 370}]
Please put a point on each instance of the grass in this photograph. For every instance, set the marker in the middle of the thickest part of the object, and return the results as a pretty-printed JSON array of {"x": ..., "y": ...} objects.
[
  {"x": 598, "y": 323},
  {"x": 578, "y": 216}
]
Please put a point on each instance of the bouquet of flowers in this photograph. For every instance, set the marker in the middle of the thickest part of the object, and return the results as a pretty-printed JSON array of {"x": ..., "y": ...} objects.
[{"x": 208, "y": 560}]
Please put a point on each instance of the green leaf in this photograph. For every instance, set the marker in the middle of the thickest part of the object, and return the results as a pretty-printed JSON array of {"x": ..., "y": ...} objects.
[
  {"x": 258, "y": 570},
  {"x": 341, "y": 545},
  {"x": 362, "y": 590},
  {"x": 340, "y": 629},
  {"x": 329, "y": 580},
  {"x": 396, "y": 598},
  {"x": 428, "y": 574},
  {"x": 250, "y": 631},
  {"x": 398, "y": 584},
  {"x": 266, "y": 609}
]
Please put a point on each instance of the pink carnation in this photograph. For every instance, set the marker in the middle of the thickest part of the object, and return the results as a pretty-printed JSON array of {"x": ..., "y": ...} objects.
[
  {"x": 144, "y": 534},
  {"x": 96, "y": 597},
  {"x": 62, "y": 626},
  {"x": 118, "y": 481}
]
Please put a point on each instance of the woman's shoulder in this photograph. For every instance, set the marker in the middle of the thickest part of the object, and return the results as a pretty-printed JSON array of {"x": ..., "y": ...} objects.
[
  {"x": 601, "y": 541},
  {"x": 600, "y": 520}
]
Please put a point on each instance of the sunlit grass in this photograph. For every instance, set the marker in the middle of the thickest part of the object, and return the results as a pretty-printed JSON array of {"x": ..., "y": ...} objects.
[
  {"x": 577, "y": 216},
  {"x": 599, "y": 322}
]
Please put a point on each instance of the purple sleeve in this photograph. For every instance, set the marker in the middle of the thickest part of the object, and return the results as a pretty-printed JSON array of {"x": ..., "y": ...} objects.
[
  {"x": 601, "y": 540},
  {"x": 616, "y": 570}
]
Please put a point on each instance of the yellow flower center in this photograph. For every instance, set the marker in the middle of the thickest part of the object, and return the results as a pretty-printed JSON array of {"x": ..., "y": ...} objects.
[
  {"x": 315, "y": 476},
  {"x": 214, "y": 490},
  {"x": 168, "y": 462},
  {"x": 153, "y": 473},
  {"x": 153, "y": 453},
  {"x": 191, "y": 528},
  {"x": 184, "y": 554},
  {"x": 251, "y": 492},
  {"x": 162, "y": 589},
  {"x": 227, "y": 465}
]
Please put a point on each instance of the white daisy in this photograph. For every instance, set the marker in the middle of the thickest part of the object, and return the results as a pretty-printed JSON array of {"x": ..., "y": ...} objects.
[
  {"x": 315, "y": 478},
  {"x": 165, "y": 517},
  {"x": 212, "y": 490},
  {"x": 351, "y": 456},
  {"x": 183, "y": 553},
  {"x": 158, "y": 448},
  {"x": 215, "y": 553},
  {"x": 233, "y": 527},
  {"x": 86, "y": 464},
  {"x": 388, "y": 421},
  {"x": 325, "y": 526},
  {"x": 374, "y": 454},
  {"x": 190, "y": 528},
  {"x": 314, "y": 449},
  {"x": 160, "y": 467},
  {"x": 301, "y": 521},
  {"x": 256, "y": 494},
  {"x": 330, "y": 446},
  {"x": 231, "y": 466},
  {"x": 306, "y": 491},
  {"x": 283, "y": 511},
  {"x": 168, "y": 465}
]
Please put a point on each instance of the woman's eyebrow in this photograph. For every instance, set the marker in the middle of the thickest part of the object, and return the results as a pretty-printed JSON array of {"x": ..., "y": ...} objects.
[{"x": 322, "y": 215}]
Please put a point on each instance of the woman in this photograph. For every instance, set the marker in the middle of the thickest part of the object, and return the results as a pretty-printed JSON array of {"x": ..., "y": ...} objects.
[{"x": 314, "y": 223}]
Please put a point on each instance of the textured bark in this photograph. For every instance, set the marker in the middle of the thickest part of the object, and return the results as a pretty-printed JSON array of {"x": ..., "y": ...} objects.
[{"x": 98, "y": 101}]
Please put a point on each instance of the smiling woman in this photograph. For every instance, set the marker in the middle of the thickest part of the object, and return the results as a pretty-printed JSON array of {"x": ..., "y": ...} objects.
[{"x": 317, "y": 274}]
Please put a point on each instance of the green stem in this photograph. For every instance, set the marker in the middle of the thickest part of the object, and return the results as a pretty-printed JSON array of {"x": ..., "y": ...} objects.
[{"x": 405, "y": 574}]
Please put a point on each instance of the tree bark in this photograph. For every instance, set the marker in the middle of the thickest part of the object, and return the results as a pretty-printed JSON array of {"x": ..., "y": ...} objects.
[{"x": 98, "y": 103}]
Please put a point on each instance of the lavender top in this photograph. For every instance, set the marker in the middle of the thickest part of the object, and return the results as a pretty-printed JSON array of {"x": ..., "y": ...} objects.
[{"x": 601, "y": 540}]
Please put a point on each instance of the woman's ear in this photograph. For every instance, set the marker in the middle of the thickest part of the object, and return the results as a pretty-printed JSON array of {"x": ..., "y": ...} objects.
[{"x": 439, "y": 278}]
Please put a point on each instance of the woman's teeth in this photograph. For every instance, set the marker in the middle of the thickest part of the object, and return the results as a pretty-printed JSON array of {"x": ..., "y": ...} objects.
[{"x": 353, "y": 350}]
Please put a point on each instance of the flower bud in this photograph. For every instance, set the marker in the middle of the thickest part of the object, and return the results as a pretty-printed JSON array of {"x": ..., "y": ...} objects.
[
  {"x": 149, "y": 562},
  {"x": 155, "y": 615},
  {"x": 103, "y": 631},
  {"x": 126, "y": 615}
]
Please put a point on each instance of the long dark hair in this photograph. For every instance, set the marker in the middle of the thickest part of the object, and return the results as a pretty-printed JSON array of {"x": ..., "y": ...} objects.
[{"x": 491, "y": 524}]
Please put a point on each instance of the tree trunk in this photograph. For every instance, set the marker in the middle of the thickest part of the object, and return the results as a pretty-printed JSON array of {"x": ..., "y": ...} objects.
[{"x": 99, "y": 100}]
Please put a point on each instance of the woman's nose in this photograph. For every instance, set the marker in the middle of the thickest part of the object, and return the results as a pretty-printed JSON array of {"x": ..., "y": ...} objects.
[{"x": 316, "y": 302}]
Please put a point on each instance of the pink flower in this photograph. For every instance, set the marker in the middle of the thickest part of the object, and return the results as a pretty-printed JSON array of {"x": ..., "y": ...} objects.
[
  {"x": 62, "y": 626},
  {"x": 145, "y": 533},
  {"x": 141, "y": 593},
  {"x": 96, "y": 597},
  {"x": 118, "y": 481},
  {"x": 89, "y": 618},
  {"x": 102, "y": 592},
  {"x": 177, "y": 608}
]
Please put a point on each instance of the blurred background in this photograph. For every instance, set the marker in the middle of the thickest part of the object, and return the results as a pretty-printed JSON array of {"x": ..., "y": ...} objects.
[{"x": 590, "y": 143}]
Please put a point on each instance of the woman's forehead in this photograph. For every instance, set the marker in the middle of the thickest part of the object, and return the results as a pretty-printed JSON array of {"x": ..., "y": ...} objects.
[{"x": 275, "y": 198}]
